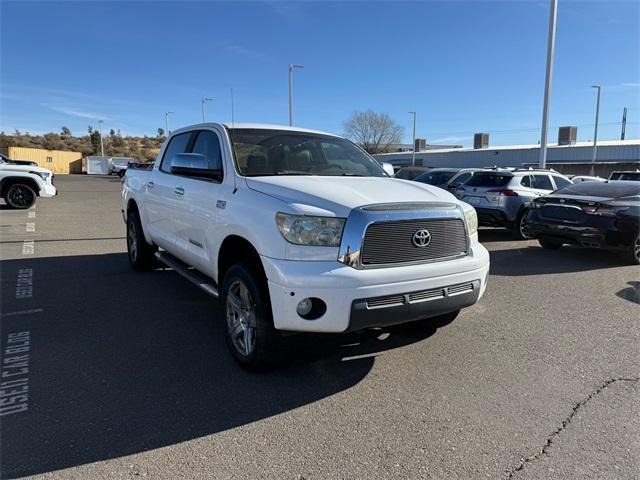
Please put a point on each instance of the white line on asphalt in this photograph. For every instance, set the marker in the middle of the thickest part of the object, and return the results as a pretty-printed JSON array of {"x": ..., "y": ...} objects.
[
  {"x": 32, "y": 214},
  {"x": 14, "y": 387},
  {"x": 24, "y": 284},
  {"x": 28, "y": 247},
  {"x": 31, "y": 227},
  {"x": 22, "y": 312}
]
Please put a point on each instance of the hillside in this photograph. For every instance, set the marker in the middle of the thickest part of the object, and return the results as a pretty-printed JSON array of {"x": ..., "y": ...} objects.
[{"x": 143, "y": 149}]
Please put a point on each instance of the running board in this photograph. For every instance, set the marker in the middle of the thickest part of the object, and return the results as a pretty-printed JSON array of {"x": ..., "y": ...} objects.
[{"x": 201, "y": 281}]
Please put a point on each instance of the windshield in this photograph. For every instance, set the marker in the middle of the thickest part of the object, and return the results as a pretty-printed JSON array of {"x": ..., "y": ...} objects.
[
  {"x": 489, "y": 180},
  {"x": 260, "y": 152},
  {"x": 434, "y": 178},
  {"x": 625, "y": 176}
]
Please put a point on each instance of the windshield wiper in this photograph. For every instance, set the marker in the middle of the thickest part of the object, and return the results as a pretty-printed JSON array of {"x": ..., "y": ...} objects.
[{"x": 292, "y": 172}]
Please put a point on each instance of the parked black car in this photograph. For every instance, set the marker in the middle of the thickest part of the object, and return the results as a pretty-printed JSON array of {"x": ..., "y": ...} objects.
[
  {"x": 409, "y": 173},
  {"x": 589, "y": 214}
]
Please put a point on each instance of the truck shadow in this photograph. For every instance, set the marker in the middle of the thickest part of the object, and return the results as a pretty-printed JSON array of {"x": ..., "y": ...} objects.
[{"x": 123, "y": 362}]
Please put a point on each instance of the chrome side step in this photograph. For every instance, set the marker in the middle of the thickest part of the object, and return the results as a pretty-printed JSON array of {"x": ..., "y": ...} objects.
[{"x": 201, "y": 281}]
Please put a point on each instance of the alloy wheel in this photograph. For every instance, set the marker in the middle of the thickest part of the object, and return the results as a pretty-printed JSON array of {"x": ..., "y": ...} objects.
[
  {"x": 522, "y": 227},
  {"x": 636, "y": 248},
  {"x": 20, "y": 196},
  {"x": 132, "y": 242},
  {"x": 241, "y": 318}
]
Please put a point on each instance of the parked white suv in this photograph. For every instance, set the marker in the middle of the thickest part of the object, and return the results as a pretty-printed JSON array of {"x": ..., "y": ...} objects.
[
  {"x": 299, "y": 230},
  {"x": 21, "y": 183}
]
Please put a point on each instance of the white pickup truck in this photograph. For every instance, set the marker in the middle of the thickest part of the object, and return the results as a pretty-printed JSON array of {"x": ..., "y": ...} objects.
[
  {"x": 299, "y": 230},
  {"x": 22, "y": 182}
]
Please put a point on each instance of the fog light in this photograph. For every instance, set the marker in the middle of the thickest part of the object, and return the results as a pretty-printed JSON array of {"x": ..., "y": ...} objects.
[
  {"x": 311, "y": 308},
  {"x": 304, "y": 307}
]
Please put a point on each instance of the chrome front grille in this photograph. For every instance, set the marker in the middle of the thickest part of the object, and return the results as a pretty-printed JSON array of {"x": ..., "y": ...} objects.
[
  {"x": 420, "y": 296},
  {"x": 391, "y": 242}
]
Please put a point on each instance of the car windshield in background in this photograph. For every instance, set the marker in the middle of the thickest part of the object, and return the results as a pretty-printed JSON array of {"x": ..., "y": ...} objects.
[
  {"x": 261, "y": 152},
  {"x": 634, "y": 176},
  {"x": 434, "y": 178},
  {"x": 489, "y": 180},
  {"x": 616, "y": 189}
]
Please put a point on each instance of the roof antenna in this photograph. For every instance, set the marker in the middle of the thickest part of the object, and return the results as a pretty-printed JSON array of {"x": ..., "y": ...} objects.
[
  {"x": 232, "y": 116},
  {"x": 233, "y": 144}
]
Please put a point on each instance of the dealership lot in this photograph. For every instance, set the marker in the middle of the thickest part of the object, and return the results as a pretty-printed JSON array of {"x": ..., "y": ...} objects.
[{"x": 119, "y": 374}]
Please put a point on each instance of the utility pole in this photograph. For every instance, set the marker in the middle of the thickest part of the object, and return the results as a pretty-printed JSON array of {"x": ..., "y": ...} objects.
[
  {"x": 551, "y": 46},
  {"x": 291, "y": 67},
  {"x": 413, "y": 157},
  {"x": 624, "y": 122},
  {"x": 166, "y": 122},
  {"x": 232, "y": 113},
  {"x": 595, "y": 132},
  {"x": 101, "y": 142},
  {"x": 204, "y": 100}
]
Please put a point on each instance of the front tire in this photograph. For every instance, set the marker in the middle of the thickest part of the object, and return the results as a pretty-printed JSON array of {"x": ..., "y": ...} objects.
[
  {"x": 550, "y": 244},
  {"x": 141, "y": 254},
  {"x": 632, "y": 255},
  {"x": 20, "y": 196},
  {"x": 251, "y": 337}
]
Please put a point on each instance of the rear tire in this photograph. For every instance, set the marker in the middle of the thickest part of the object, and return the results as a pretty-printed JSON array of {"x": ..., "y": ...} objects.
[
  {"x": 519, "y": 230},
  {"x": 20, "y": 196},
  {"x": 251, "y": 337},
  {"x": 121, "y": 173},
  {"x": 632, "y": 254},
  {"x": 550, "y": 244},
  {"x": 141, "y": 254}
]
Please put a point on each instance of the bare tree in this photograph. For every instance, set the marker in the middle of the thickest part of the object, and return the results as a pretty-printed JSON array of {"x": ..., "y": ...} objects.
[{"x": 375, "y": 132}]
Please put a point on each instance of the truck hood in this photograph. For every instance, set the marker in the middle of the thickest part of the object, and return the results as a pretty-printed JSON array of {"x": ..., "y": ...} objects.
[
  {"x": 318, "y": 195},
  {"x": 9, "y": 167}
]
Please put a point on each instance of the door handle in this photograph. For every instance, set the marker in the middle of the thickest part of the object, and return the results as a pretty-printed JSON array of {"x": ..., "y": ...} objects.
[
  {"x": 179, "y": 191},
  {"x": 150, "y": 184}
]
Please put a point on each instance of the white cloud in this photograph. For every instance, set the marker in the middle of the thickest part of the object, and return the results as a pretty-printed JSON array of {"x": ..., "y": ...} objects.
[{"x": 75, "y": 112}]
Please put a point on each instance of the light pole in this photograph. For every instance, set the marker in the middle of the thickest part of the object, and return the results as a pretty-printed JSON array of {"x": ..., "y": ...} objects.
[
  {"x": 595, "y": 132},
  {"x": 547, "y": 83},
  {"x": 101, "y": 143},
  {"x": 413, "y": 158},
  {"x": 291, "y": 67},
  {"x": 204, "y": 100},
  {"x": 166, "y": 122}
]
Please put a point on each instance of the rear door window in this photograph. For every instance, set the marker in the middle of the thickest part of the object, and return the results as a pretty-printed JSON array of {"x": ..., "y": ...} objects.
[
  {"x": 177, "y": 144},
  {"x": 541, "y": 182},
  {"x": 526, "y": 181}
]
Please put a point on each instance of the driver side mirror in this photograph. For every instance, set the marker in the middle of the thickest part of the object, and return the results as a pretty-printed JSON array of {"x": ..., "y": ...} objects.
[
  {"x": 454, "y": 185},
  {"x": 194, "y": 165}
]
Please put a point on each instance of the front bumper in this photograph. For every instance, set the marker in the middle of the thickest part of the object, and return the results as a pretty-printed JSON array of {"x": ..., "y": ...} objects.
[
  {"x": 48, "y": 190},
  {"x": 346, "y": 291}
]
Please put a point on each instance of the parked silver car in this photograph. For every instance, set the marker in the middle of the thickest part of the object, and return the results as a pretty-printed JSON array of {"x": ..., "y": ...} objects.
[{"x": 500, "y": 196}]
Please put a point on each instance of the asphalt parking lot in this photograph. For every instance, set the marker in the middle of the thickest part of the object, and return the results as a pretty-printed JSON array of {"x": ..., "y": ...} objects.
[{"x": 127, "y": 374}]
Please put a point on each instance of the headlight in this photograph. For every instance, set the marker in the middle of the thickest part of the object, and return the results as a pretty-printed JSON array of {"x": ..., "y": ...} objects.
[
  {"x": 472, "y": 220},
  {"x": 307, "y": 230},
  {"x": 42, "y": 175}
]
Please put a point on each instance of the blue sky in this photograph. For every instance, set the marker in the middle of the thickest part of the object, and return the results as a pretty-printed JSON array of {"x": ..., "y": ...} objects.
[{"x": 463, "y": 66}]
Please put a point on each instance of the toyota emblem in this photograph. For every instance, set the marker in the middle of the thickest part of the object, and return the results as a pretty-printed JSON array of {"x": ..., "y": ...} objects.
[{"x": 422, "y": 238}]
